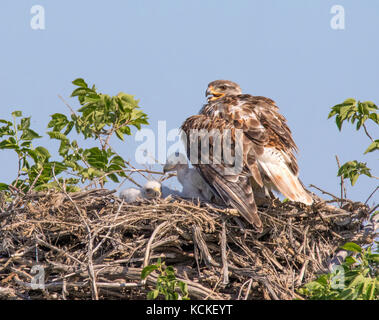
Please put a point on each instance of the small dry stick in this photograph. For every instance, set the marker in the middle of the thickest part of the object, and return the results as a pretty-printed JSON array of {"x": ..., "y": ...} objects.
[
  {"x": 91, "y": 270},
  {"x": 196, "y": 254},
  {"x": 373, "y": 209},
  {"x": 302, "y": 272},
  {"x": 248, "y": 288},
  {"x": 149, "y": 244},
  {"x": 242, "y": 287},
  {"x": 201, "y": 244},
  {"x": 376, "y": 189},
  {"x": 343, "y": 189},
  {"x": 367, "y": 134},
  {"x": 324, "y": 192},
  {"x": 225, "y": 279}
]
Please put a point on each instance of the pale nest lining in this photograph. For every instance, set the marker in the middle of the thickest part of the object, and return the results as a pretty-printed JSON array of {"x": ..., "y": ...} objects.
[{"x": 92, "y": 245}]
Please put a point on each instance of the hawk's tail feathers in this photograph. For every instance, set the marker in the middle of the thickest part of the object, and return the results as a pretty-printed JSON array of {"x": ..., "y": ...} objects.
[{"x": 286, "y": 182}]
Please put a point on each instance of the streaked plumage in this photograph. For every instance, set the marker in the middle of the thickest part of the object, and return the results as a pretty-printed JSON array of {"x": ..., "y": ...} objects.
[{"x": 268, "y": 148}]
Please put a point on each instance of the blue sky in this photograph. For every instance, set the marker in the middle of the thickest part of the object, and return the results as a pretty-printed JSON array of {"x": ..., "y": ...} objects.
[{"x": 166, "y": 52}]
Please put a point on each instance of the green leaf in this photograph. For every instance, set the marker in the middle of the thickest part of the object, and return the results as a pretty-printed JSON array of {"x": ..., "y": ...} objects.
[
  {"x": 370, "y": 292},
  {"x": 183, "y": 287},
  {"x": 374, "y": 257},
  {"x": 374, "y": 117},
  {"x": 357, "y": 282},
  {"x": 57, "y": 135},
  {"x": 339, "y": 123},
  {"x": 350, "y": 261},
  {"x": 350, "y": 101},
  {"x": 80, "y": 82},
  {"x": 25, "y": 124},
  {"x": 8, "y": 144},
  {"x": 26, "y": 144},
  {"x": 33, "y": 154},
  {"x": 118, "y": 161},
  {"x": 113, "y": 177},
  {"x": 147, "y": 270},
  {"x": 80, "y": 92},
  {"x": 91, "y": 98},
  {"x": 64, "y": 147},
  {"x": 346, "y": 294},
  {"x": 373, "y": 146},
  {"x": 120, "y": 135},
  {"x": 43, "y": 152},
  {"x": 17, "y": 114},
  {"x": 126, "y": 130},
  {"x": 174, "y": 296},
  {"x": 4, "y": 186},
  {"x": 29, "y": 134},
  {"x": 58, "y": 122},
  {"x": 69, "y": 127},
  {"x": 6, "y": 122},
  {"x": 354, "y": 178},
  {"x": 351, "y": 246},
  {"x": 170, "y": 271},
  {"x": 97, "y": 158},
  {"x": 152, "y": 295}
]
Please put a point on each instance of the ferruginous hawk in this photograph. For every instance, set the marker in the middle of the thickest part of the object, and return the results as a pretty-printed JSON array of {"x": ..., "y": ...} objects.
[{"x": 267, "y": 148}]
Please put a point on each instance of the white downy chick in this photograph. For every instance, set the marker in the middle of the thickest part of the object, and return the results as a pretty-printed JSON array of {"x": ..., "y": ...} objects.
[
  {"x": 151, "y": 189},
  {"x": 193, "y": 184},
  {"x": 130, "y": 195}
]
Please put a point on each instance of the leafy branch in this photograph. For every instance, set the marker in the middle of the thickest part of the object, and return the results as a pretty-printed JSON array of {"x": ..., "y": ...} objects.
[
  {"x": 34, "y": 165},
  {"x": 99, "y": 118},
  {"x": 167, "y": 284},
  {"x": 358, "y": 113},
  {"x": 356, "y": 279}
]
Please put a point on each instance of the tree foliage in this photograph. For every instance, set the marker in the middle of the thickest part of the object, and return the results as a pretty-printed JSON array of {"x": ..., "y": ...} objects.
[
  {"x": 357, "y": 113},
  {"x": 100, "y": 117},
  {"x": 356, "y": 279}
]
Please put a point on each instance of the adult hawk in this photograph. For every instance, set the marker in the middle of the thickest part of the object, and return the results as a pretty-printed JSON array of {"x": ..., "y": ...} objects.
[{"x": 267, "y": 154}]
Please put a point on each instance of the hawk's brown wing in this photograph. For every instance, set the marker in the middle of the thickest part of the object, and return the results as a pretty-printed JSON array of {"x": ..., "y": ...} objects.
[{"x": 234, "y": 188}]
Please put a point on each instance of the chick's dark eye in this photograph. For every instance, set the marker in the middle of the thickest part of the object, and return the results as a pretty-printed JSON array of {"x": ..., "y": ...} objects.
[{"x": 223, "y": 87}]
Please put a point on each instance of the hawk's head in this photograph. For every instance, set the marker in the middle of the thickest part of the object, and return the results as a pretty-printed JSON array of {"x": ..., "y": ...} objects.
[{"x": 220, "y": 88}]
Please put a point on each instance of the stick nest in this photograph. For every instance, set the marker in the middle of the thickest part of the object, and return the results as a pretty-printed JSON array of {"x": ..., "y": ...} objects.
[{"x": 92, "y": 245}]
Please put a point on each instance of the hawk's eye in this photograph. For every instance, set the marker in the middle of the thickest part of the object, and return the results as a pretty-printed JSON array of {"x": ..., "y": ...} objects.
[{"x": 222, "y": 87}]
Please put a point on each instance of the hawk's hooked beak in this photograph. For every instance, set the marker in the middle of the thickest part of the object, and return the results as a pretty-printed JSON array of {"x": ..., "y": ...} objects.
[{"x": 214, "y": 93}]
